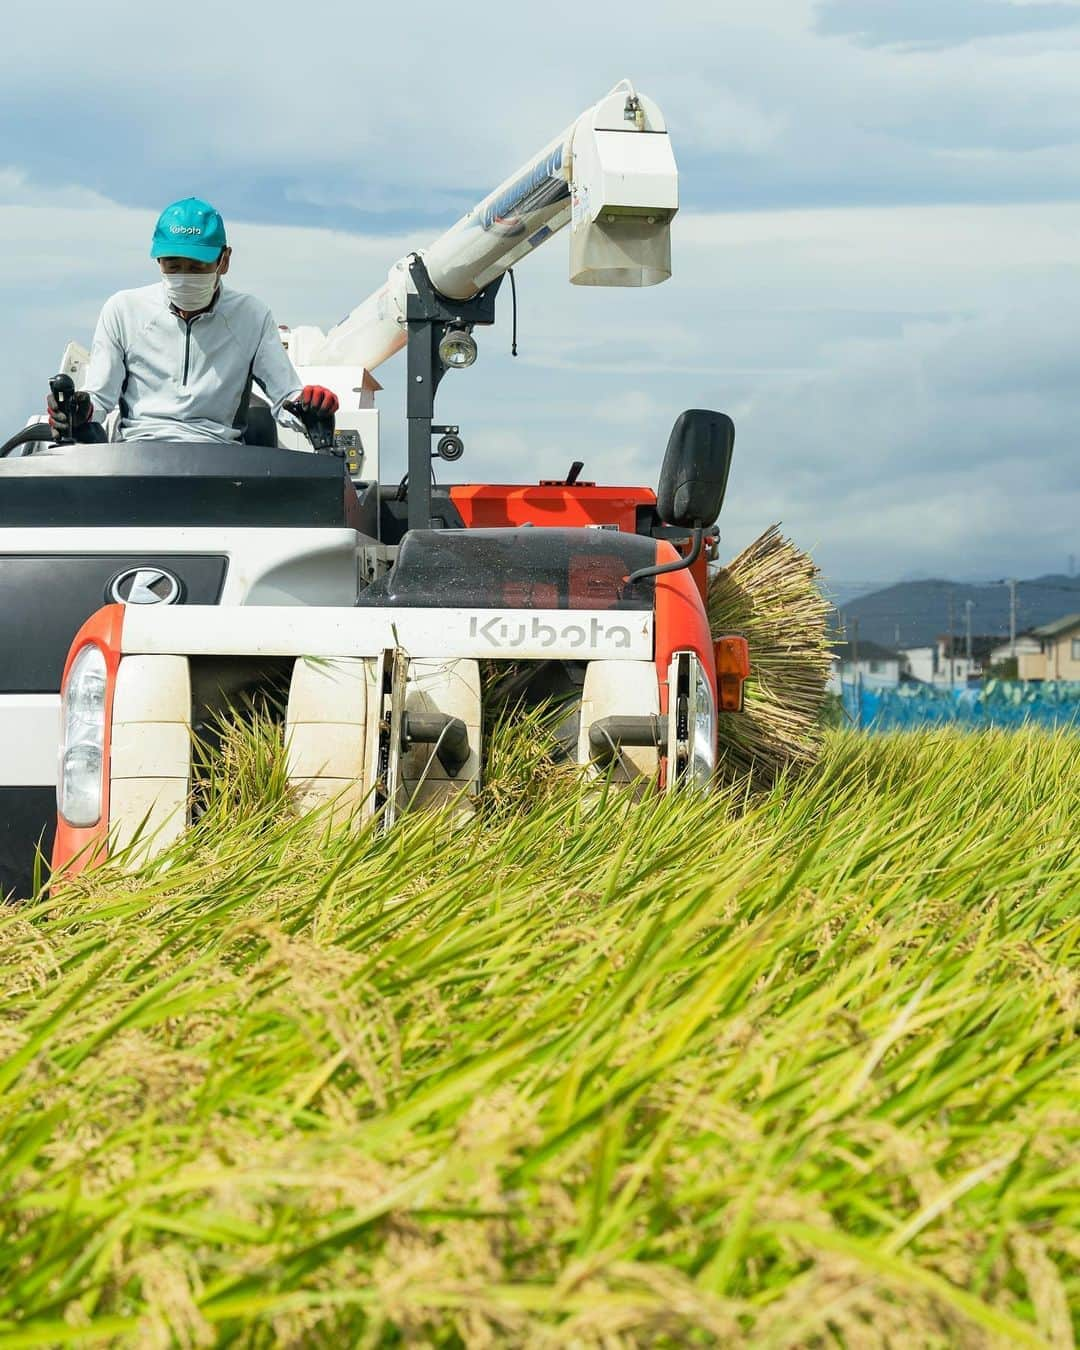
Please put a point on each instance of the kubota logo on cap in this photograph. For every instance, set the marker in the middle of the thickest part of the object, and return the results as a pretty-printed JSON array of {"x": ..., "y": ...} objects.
[{"x": 185, "y": 229}]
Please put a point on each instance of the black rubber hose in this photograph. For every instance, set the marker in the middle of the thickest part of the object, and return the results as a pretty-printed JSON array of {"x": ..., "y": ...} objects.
[
  {"x": 40, "y": 431},
  {"x": 609, "y": 734},
  {"x": 449, "y": 735},
  {"x": 679, "y": 565}
]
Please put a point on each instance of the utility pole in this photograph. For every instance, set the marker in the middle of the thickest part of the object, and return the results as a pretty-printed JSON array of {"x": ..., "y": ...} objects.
[
  {"x": 1011, "y": 583},
  {"x": 858, "y": 675},
  {"x": 967, "y": 630},
  {"x": 952, "y": 663}
]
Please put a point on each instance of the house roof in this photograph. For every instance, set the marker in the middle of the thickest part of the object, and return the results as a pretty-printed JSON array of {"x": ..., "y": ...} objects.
[
  {"x": 868, "y": 651},
  {"x": 1059, "y": 627},
  {"x": 1025, "y": 642}
]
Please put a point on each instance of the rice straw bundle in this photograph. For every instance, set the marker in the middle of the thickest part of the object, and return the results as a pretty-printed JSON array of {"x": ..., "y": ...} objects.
[{"x": 770, "y": 595}]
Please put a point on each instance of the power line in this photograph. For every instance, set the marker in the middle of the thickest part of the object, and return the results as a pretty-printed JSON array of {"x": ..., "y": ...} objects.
[
  {"x": 872, "y": 587},
  {"x": 945, "y": 581}
]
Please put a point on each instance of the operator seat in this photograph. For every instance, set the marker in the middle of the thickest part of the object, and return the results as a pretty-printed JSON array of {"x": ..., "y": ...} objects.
[{"x": 261, "y": 429}]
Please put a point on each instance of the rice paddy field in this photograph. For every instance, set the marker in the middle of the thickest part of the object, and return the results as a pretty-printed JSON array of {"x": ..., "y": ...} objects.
[{"x": 789, "y": 1066}]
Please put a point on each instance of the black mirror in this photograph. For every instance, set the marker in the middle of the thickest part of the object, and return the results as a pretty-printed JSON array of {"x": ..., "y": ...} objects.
[{"x": 694, "y": 477}]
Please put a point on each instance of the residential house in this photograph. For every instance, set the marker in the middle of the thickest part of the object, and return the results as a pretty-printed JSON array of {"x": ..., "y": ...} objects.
[
  {"x": 878, "y": 667},
  {"x": 920, "y": 663},
  {"x": 947, "y": 662},
  {"x": 1058, "y": 657},
  {"x": 1026, "y": 644}
]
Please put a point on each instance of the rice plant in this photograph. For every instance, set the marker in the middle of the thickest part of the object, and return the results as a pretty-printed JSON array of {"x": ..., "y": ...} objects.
[{"x": 793, "y": 1068}]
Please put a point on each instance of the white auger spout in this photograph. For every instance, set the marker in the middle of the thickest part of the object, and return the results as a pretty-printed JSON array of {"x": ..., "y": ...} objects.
[{"x": 611, "y": 176}]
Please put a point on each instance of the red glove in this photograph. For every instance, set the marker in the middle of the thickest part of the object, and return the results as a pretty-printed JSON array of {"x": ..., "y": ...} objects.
[{"x": 315, "y": 398}]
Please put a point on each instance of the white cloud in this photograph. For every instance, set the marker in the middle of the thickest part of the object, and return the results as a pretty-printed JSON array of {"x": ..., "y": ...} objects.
[
  {"x": 629, "y": 409},
  {"x": 714, "y": 119},
  {"x": 16, "y": 189},
  {"x": 361, "y": 108}
]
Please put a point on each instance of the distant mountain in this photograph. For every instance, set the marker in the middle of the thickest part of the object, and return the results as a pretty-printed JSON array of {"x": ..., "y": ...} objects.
[{"x": 916, "y": 613}]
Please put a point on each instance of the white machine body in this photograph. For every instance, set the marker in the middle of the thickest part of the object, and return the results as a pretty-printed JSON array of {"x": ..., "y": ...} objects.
[
  {"x": 527, "y": 635},
  {"x": 353, "y": 682},
  {"x": 355, "y": 387},
  {"x": 293, "y": 567}
]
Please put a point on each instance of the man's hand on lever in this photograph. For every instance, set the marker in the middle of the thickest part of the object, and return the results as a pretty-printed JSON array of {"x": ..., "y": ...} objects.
[
  {"x": 318, "y": 399},
  {"x": 315, "y": 408},
  {"x": 68, "y": 412}
]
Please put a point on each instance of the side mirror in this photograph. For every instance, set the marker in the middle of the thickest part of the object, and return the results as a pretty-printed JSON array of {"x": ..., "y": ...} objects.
[{"x": 694, "y": 476}]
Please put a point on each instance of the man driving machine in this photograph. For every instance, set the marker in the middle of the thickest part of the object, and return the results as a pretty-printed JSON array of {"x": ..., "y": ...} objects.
[{"x": 178, "y": 357}]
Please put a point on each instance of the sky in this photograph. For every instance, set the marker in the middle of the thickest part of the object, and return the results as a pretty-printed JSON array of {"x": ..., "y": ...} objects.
[{"x": 876, "y": 260}]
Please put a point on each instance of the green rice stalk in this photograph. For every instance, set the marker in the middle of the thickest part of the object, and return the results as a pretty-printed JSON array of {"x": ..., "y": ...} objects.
[{"x": 656, "y": 1073}]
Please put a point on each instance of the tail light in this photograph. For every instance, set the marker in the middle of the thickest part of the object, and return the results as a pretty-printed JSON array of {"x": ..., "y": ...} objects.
[{"x": 732, "y": 668}]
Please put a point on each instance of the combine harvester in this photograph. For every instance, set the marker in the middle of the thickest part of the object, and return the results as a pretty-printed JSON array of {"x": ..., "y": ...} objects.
[{"x": 226, "y": 569}]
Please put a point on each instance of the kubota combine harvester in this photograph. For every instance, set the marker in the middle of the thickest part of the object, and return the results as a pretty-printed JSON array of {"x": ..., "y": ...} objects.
[{"x": 224, "y": 568}]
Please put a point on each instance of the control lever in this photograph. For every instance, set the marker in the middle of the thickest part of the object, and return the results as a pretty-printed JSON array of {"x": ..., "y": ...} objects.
[
  {"x": 318, "y": 426},
  {"x": 62, "y": 388}
]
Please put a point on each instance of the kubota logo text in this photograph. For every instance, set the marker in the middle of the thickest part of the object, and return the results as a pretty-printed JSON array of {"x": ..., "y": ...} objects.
[{"x": 503, "y": 633}]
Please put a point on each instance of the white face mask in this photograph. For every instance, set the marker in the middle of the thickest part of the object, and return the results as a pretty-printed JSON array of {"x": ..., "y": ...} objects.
[{"x": 190, "y": 290}]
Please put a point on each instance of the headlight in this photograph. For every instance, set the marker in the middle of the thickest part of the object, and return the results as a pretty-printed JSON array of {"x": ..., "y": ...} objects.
[
  {"x": 82, "y": 739},
  {"x": 457, "y": 348},
  {"x": 703, "y": 741},
  {"x": 691, "y": 723}
]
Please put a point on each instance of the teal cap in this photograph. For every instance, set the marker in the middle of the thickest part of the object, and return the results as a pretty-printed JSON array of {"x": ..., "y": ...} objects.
[{"x": 189, "y": 229}]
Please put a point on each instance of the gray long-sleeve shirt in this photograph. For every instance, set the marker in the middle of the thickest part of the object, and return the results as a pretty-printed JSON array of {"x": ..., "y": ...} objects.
[{"x": 182, "y": 379}]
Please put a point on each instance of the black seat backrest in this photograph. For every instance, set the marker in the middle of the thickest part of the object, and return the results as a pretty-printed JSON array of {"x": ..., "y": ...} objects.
[{"x": 261, "y": 428}]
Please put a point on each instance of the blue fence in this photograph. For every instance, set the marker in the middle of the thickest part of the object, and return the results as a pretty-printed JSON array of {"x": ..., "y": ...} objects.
[{"x": 997, "y": 703}]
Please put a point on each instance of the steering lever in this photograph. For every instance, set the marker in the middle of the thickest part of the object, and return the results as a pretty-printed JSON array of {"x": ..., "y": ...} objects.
[
  {"x": 62, "y": 388},
  {"x": 318, "y": 426}
]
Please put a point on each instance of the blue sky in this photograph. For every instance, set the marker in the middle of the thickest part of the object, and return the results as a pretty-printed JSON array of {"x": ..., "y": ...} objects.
[{"x": 877, "y": 263}]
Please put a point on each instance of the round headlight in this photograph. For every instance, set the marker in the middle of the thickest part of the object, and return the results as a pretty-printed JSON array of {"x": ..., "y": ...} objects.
[{"x": 457, "y": 350}]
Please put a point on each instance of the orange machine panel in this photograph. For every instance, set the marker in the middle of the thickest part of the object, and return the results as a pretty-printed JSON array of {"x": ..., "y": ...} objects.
[
  {"x": 681, "y": 622},
  {"x": 496, "y": 505}
]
